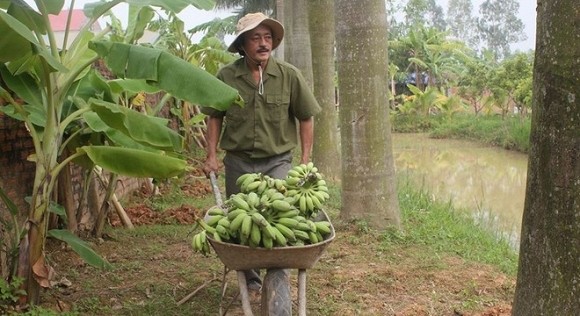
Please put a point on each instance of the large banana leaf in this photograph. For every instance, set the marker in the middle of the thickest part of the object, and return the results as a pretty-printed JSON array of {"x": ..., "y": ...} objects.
[
  {"x": 148, "y": 130},
  {"x": 135, "y": 163},
  {"x": 170, "y": 73},
  {"x": 17, "y": 41}
]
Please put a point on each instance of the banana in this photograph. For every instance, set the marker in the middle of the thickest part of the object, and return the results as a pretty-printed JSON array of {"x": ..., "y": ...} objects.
[
  {"x": 312, "y": 226},
  {"x": 255, "y": 234},
  {"x": 281, "y": 206},
  {"x": 303, "y": 226},
  {"x": 291, "y": 192},
  {"x": 259, "y": 219},
  {"x": 195, "y": 242},
  {"x": 280, "y": 239},
  {"x": 287, "y": 232},
  {"x": 216, "y": 211},
  {"x": 213, "y": 220},
  {"x": 302, "y": 203},
  {"x": 239, "y": 202},
  {"x": 224, "y": 221},
  {"x": 267, "y": 241},
  {"x": 277, "y": 196},
  {"x": 253, "y": 199},
  {"x": 246, "y": 227},
  {"x": 317, "y": 194},
  {"x": 249, "y": 179},
  {"x": 223, "y": 232},
  {"x": 268, "y": 231},
  {"x": 301, "y": 235},
  {"x": 279, "y": 184},
  {"x": 288, "y": 222},
  {"x": 309, "y": 203},
  {"x": 242, "y": 178},
  {"x": 293, "y": 173},
  {"x": 235, "y": 212},
  {"x": 216, "y": 236},
  {"x": 323, "y": 227},
  {"x": 236, "y": 223},
  {"x": 293, "y": 181},
  {"x": 205, "y": 226},
  {"x": 315, "y": 201},
  {"x": 288, "y": 214},
  {"x": 313, "y": 237},
  {"x": 203, "y": 238},
  {"x": 253, "y": 186},
  {"x": 262, "y": 187}
]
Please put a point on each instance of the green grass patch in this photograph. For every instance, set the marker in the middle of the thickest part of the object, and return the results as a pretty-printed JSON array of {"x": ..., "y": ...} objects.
[
  {"x": 511, "y": 132},
  {"x": 443, "y": 228}
]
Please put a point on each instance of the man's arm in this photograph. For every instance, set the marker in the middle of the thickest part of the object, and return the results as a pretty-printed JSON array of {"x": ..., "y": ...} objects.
[
  {"x": 306, "y": 138},
  {"x": 214, "y": 128}
]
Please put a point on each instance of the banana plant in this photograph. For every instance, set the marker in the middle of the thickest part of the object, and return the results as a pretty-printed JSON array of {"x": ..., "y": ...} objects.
[{"x": 59, "y": 100}]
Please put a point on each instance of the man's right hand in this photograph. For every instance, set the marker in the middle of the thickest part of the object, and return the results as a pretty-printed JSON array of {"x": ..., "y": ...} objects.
[{"x": 211, "y": 164}]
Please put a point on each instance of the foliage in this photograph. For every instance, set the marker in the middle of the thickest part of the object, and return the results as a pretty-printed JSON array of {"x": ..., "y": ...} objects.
[
  {"x": 499, "y": 26},
  {"x": 65, "y": 104},
  {"x": 9, "y": 293},
  {"x": 430, "y": 101},
  {"x": 439, "y": 225},
  {"x": 460, "y": 21},
  {"x": 511, "y": 132}
]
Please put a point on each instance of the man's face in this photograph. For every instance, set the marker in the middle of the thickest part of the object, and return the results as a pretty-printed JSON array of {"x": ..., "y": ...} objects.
[{"x": 258, "y": 43}]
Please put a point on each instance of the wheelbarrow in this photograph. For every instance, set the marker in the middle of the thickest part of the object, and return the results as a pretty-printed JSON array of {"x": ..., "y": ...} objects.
[{"x": 276, "y": 298}]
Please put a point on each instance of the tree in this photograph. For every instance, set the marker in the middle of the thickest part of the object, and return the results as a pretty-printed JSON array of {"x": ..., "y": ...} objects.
[
  {"x": 326, "y": 147},
  {"x": 424, "y": 13},
  {"x": 549, "y": 275},
  {"x": 64, "y": 104},
  {"x": 499, "y": 26},
  {"x": 298, "y": 51},
  {"x": 460, "y": 21},
  {"x": 368, "y": 174}
]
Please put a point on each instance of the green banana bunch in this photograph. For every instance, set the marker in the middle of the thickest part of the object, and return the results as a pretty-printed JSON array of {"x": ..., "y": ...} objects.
[
  {"x": 269, "y": 212},
  {"x": 305, "y": 184}
]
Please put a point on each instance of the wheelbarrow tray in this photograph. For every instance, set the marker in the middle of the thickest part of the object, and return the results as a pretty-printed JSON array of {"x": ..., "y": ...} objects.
[{"x": 240, "y": 257}]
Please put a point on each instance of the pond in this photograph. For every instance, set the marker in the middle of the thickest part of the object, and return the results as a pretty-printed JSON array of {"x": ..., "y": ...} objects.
[{"x": 486, "y": 181}]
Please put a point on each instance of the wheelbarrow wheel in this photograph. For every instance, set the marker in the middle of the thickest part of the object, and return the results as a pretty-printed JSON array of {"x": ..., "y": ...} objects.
[{"x": 276, "y": 296}]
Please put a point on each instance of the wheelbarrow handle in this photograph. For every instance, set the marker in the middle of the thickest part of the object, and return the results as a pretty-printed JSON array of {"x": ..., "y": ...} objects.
[{"x": 215, "y": 188}]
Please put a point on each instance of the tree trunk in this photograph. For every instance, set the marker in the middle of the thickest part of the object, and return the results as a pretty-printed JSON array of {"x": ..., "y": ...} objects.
[
  {"x": 326, "y": 143},
  {"x": 301, "y": 54},
  {"x": 548, "y": 280},
  {"x": 66, "y": 198},
  {"x": 281, "y": 17},
  {"x": 368, "y": 173}
]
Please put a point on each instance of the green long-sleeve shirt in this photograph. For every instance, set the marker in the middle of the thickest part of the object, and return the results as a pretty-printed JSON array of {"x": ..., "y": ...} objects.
[{"x": 267, "y": 125}]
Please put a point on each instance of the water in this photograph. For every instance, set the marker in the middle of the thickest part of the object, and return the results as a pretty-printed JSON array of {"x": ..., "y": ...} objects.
[{"x": 486, "y": 181}]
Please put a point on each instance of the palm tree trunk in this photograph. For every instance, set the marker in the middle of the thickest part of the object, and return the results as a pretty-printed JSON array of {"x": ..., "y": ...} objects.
[
  {"x": 369, "y": 190},
  {"x": 326, "y": 143}
]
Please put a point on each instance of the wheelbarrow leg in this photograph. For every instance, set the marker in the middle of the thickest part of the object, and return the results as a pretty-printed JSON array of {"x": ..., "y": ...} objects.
[
  {"x": 301, "y": 292},
  {"x": 276, "y": 296},
  {"x": 244, "y": 294}
]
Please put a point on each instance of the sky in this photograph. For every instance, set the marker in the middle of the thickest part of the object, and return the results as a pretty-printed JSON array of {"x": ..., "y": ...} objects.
[{"x": 193, "y": 17}]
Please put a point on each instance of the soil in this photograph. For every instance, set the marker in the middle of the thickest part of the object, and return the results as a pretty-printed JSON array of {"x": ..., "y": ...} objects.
[{"x": 357, "y": 275}]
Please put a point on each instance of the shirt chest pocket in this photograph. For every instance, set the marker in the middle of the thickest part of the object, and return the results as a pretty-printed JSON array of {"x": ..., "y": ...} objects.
[{"x": 277, "y": 107}]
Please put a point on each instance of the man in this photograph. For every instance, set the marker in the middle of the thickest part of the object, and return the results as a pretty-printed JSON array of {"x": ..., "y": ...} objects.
[{"x": 279, "y": 107}]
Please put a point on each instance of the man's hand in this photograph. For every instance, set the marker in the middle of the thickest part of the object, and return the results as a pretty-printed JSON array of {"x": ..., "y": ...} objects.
[{"x": 211, "y": 164}]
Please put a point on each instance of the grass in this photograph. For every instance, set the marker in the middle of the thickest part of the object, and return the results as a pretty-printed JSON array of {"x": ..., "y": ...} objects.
[
  {"x": 509, "y": 133},
  {"x": 440, "y": 262}
]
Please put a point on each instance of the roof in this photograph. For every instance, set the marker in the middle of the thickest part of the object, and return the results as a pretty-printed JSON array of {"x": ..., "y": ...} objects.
[{"x": 78, "y": 20}]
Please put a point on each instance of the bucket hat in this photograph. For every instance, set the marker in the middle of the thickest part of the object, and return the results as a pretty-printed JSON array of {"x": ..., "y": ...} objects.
[{"x": 252, "y": 20}]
